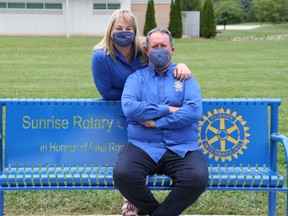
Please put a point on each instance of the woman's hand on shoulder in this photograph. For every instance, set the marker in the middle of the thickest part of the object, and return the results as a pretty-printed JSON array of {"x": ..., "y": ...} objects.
[{"x": 182, "y": 72}]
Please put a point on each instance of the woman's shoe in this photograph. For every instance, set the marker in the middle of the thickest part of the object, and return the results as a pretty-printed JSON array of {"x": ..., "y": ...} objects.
[{"x": 128, "y": 209}]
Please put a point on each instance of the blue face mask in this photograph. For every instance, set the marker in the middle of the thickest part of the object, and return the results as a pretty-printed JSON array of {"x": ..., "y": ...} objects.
[
  {"x": 159, "y": 57},
  {"x": 123, "y": 38}
]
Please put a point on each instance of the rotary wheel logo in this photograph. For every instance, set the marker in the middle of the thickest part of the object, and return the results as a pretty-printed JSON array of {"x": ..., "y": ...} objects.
[{"x": 223, "y": 135}]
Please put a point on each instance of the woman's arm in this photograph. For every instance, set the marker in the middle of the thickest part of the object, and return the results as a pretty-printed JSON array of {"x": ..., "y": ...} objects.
[{"x": 102, "y": 77}]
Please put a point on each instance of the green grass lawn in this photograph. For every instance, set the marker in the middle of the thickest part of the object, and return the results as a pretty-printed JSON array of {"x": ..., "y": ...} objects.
[{"x": 247, "y": 63}]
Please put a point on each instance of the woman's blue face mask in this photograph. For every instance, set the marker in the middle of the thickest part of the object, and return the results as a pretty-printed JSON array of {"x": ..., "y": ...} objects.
[{"x": 123, "y": 38}]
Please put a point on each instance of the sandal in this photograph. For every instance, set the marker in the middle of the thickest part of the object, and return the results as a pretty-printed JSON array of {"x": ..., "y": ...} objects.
[{"x": 128, "y": 209}]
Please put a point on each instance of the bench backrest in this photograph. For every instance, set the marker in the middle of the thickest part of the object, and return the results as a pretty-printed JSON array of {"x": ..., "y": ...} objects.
[{"x": 85, "y": 132}]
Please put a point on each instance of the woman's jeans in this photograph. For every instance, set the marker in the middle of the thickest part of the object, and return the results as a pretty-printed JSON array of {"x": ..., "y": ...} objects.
[{"x": 189, "y": 174}]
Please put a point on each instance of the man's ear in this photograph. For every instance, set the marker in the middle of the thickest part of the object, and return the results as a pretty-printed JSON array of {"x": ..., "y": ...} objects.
[{"x": 146, "y": 50}]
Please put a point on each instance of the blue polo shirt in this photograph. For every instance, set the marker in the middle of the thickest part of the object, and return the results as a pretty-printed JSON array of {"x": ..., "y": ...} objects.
[
  {"x": 110, "y": 75},
  {"x": 147, "y": 95}
]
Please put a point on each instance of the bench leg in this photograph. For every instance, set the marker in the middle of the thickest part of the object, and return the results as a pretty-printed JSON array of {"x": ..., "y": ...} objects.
[
  {"x": 272, "y": 204},
  {"x": 2, "y": 203}
]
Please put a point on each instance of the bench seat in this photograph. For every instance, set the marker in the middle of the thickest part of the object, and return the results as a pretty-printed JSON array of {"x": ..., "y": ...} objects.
[{"x": 91, "y": 176}]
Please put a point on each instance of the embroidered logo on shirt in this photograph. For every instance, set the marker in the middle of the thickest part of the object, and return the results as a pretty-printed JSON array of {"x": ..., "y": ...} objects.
[{"x": 178, "y": 86}]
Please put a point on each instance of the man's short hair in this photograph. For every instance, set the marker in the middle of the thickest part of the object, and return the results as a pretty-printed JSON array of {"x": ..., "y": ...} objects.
[{"x": 162, "y": 30}]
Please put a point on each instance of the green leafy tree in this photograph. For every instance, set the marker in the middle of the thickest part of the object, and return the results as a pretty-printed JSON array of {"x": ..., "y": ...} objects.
[
  {"x": 262, "y": 9},
  {"x": 190, "y": 5},
  {"x": 172, "y": 23},
  {"x": 247, "y": 10},
  {"x": 175, "y": 22},
  {"x": 270, "y": 10},
  {"x": 228, "y": 11},
  {"x": 178, "y": 17},
  {"x": 246, "y": 5},
  {"x": 207, "y": 22},
  {"x": 283, "y": 10},
  {"x": 150, "y": 22}
]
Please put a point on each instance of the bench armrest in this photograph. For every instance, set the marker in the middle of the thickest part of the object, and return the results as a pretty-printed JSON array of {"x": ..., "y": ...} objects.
[{"x": 284, "y": 141}]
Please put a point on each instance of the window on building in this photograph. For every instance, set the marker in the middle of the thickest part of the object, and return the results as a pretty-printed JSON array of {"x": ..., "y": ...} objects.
[
  {"x": 30, "y": 5},
  {"x": 113, "y": 6},
  {"x": 53, "y": 6},
  {"x": 106, "y": 6},
  {"x": 3, "y": 5},
  {"x": 99, "y": 6},
  {"x": 35, "y": 5},
  {"x": 16, "y": 5}
]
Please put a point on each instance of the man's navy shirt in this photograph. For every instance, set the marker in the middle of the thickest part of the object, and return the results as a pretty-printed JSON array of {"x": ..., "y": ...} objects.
[{"x": 147, "y": 95}]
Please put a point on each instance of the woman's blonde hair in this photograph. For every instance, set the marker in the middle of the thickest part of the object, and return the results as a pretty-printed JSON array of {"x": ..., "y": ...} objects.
[{"x": 107, "y": 44}]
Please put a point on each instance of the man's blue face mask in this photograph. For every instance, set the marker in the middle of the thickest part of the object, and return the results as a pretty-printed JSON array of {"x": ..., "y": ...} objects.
[
  {"x": 123, "y": 38},
  {"x": 159, "y": 57}
]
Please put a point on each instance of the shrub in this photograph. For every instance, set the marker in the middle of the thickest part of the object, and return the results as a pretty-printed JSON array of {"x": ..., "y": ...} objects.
[
  {"x": 150, "y": 22},
  {"x": 207, "y": 22}
]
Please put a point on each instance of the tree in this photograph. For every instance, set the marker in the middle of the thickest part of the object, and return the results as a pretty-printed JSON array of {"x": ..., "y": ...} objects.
[
  {"x": 172, "y": 23},
  {"x": 262, "y": 9},
  {"x": 150, "y": 22},
  {"x": 283, "y": 10},
  {"x": 178, "y": 17},
  {"x": 270, "y": 10},
  {"x": 207, "y": 23},
  {"x": 190, "y": 5},
  {"x": 247, "y": 10},
  {"x": 175, "y": 22},
  {"x": 228, "y": 11}
]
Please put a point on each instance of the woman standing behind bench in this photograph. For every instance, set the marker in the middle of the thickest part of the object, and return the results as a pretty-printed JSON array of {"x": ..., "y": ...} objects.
[{"x": 118, "y": 55}]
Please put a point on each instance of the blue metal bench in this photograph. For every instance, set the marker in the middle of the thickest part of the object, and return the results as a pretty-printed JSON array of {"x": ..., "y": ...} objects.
[{"x": 72, "y": 144}]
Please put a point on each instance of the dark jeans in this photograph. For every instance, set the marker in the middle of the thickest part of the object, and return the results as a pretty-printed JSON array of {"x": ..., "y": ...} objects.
[{"x": 190, "y": 175}]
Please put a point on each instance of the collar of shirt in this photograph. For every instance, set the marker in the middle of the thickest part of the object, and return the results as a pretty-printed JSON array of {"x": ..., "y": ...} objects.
[
  {"x": 139, "y": 59},
  {"x": 168, "y": 72},
  {"x": 121, "y": 57}
]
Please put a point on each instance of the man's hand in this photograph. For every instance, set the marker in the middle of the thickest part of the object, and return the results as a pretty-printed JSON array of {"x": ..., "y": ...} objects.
[
  {"x": 173, "y": 109},
  {"x": 182, "y": 72},
  {"x": 149, "y": 124}
]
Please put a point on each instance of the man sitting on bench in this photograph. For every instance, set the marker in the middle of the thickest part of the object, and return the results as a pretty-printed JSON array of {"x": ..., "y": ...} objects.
[{"x": 162, "y": 114}]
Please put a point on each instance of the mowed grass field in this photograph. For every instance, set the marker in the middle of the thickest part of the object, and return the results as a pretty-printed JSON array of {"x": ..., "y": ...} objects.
[{"x": 235, "y": 64}]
